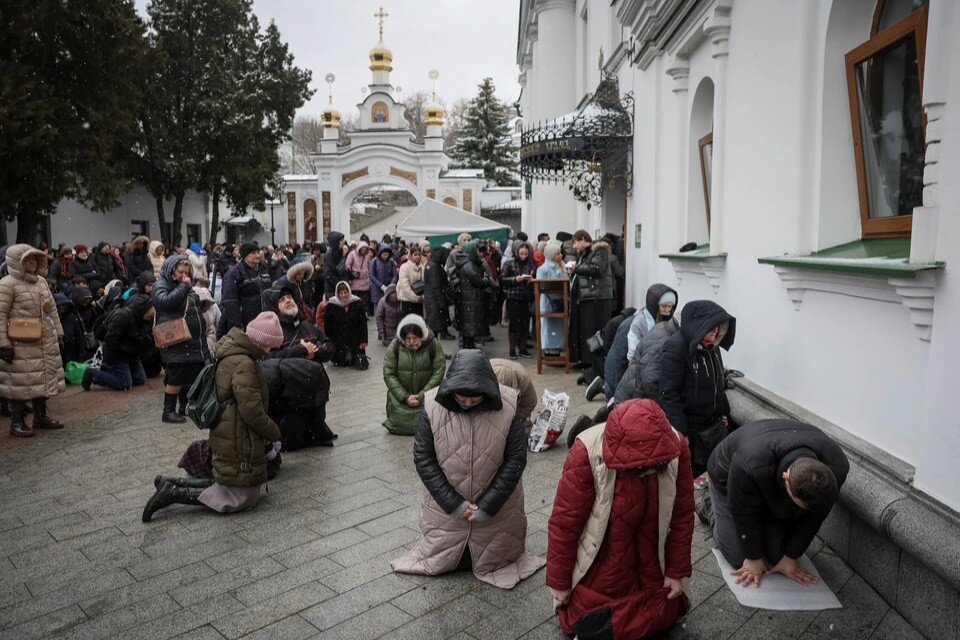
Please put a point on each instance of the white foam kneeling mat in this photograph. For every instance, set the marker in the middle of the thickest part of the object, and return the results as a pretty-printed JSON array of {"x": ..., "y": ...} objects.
[{"x": 779, "y": 593}]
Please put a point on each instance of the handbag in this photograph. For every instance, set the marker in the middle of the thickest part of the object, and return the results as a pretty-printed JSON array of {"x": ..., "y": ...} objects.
[
  {"x": 171, "y": 332},
  {"x": 418, "y": 287},
  {"x": 705, "y": 441},
  {"x": 595, "y": 344},
  {"x": 24, "y": 329}
]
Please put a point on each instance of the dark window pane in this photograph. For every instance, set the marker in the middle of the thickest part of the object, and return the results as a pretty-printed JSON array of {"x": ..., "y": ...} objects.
[
  {"x": 896, "y": 10},
  {"x": 891, "y": 122}
]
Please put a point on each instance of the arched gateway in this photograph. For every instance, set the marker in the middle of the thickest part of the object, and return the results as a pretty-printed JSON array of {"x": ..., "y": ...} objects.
[{"x": 381, "y": 151}]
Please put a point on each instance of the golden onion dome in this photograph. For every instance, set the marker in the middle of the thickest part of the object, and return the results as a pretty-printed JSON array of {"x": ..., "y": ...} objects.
[
  {"x": 331, "y": 118},
  {"x": 433, "y": 114},
  {"x": 381, "y": 58}
]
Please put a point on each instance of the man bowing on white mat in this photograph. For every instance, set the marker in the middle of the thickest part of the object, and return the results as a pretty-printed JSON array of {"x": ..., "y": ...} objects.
[{"x": 772, "y": 484}]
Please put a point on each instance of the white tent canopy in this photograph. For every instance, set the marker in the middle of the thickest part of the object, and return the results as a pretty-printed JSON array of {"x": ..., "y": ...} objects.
[{"x": 432, "y": 218}]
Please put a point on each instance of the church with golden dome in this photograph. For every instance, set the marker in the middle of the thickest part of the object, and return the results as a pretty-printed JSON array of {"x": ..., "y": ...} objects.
[{"x": 380, "y": 152}]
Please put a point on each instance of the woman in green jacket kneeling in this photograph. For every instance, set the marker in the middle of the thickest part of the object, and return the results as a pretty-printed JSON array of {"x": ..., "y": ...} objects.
[{"x": 413, "y": 365}]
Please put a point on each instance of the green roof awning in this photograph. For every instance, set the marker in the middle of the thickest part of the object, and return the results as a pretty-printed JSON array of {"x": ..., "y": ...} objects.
[{"x": 886, "y": 257}]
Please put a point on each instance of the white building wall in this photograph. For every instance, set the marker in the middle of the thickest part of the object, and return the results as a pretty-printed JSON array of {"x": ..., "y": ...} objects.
[{"x": 788, "y": 185}]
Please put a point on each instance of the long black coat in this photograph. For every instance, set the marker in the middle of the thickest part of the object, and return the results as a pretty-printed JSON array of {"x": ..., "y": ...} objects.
[
  {"x": 347, "y": 327},
  {"x": 175, "y": 300},
  {"x": 692, "y": 378},
  {"x": 88, "y": 270},
  {"x": 137, "y": 260},
  {"x": 473, "y": 285},
  {"x": 512, "y": 288},
  {"x": 593, "y": 274},
  {"x": 748, "y": 468},
  {"x": 436, "y": 289},
  {"x": 334, "y": 265}
]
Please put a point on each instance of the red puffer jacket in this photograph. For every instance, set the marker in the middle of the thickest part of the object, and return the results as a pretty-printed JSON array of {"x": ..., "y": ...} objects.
[{"x": 625, "y": 574}]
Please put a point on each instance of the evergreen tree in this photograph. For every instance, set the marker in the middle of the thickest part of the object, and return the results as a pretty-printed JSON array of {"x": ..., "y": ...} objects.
[
  {"x": 221, "y": 96},
  {"x": 69, "y": 94},
  {"x": 484, "y": 140}
]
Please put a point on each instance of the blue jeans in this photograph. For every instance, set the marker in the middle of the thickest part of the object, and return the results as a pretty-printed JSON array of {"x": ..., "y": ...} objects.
[{"x": 120, "y": 376}]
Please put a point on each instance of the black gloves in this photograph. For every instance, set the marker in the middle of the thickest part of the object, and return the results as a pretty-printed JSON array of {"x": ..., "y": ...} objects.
[{"x": 6, "y": 354}]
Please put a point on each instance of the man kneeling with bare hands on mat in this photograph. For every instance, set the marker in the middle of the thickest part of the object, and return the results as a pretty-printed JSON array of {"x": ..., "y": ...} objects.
[{"x": 772, "y": 484}]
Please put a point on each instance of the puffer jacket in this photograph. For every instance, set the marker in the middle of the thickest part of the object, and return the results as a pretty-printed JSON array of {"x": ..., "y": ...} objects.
[
  {"x": 615, "y": 364},
  {"x": 127, "y": 333},
  {"x": 387, "y": 316},
  {"x": 436, "y": 290},
  {"x": 647, "y": 317},
  {"x": 104, "y": 264},
  {"x": 359, "y": 260},
  {"x": 692, "y": 378},
  {"x": 174, "y": 300},
  {"x": 642, "y": 379},
  {"x": 87, "y": 269},
  {"x": 334, "y": 265},
  {"x": 748, "y": 466},
  {"x": 198, "y": 260},
  {"x": 514, "y": 375},
  {"x": 593, "y": 276},
  {"x": 36, "y": 370},
  {"x": 473, "y": 285},
  {"x": 242, "y": 295},
  {"x": 137, "y": 260},
  {"x": 211, "y": 315},
  {"x": 475, "y": 455},
  {"x": 239, "y": 441},
  {"x": 410, "y": 274},
  {"x": 383, "y": 273},
  {"x": 625, "y": 491},
  {"x": 156, "y": 260},
  {"x": 407, "y": 373}
]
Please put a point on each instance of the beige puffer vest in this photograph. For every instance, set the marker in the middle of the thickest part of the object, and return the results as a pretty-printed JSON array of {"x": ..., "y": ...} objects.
[{"x": 605, "y": 480}]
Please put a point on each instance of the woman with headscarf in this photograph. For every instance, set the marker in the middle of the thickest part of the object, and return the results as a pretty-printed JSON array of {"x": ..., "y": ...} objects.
[
  {"x": 473, "y": 284},
  {"x": 551, "y": 329},
  {"x": 30, "y": 334},
  {"x": 174, "y": 299},
  {"x": 436, "y": 293},
  {"x": 410, "y": 286},
  {"x": 515, "y": 279},
  {"x": 345, "y": 322},
  {"x": 157, "y": 255},
  {"x": 358, "y": 262}
]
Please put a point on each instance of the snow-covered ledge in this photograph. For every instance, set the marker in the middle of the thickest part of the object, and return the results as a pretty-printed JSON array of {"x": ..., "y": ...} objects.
[{"x": 698, "y": 262}]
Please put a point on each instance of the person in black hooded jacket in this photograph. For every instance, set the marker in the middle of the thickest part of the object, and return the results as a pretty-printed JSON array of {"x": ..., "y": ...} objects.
[
  {"x": 473, "y": 283},
  {"x": 104, "y": 263},
  {"x": 692, "y": 378},
  {"x": 334, "y": 264},
  {"x": 772, "y": 484},
  {"x": 436, "y": 301},
  {"x": 137, "y": 259},
  {"x": 126, "y": 340}
]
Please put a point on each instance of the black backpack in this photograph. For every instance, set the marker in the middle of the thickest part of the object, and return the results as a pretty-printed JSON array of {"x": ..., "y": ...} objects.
[{"x": 204, "y": 406}]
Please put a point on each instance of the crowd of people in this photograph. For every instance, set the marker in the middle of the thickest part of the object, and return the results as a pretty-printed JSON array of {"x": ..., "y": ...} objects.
[{"x": 264, "y": 321}]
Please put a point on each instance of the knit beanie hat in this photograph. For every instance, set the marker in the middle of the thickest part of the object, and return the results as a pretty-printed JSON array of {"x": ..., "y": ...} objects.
[
  {"x": 247, "y": 248},
  {"x": 265, "y": 330},
  {"x": 81, "y": 247}
]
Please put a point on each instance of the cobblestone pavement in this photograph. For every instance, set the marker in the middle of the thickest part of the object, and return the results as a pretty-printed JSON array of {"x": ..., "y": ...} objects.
[{"x": 312, "y": 559}]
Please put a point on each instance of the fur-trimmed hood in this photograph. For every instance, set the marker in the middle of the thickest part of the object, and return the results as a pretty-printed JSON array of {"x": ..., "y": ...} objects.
[{"x": 301, "y": 268}]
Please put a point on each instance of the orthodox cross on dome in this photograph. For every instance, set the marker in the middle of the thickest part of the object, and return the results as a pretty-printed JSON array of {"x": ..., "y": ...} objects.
[{"x": 381, "y": 15}]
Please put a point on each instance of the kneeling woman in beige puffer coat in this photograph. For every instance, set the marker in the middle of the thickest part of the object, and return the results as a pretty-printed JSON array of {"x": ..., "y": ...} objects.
[
  {"x": 30, "y": 367},
  {"x": 470, "y": 452}
]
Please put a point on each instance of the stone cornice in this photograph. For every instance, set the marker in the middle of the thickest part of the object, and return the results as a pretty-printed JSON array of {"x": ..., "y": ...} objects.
[{"x": 679, "y": 70}]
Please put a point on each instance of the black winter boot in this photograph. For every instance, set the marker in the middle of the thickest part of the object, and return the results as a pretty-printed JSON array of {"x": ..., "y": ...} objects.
[
  {"x": 170, "y": 409},
  {"x": 182, "y": 481},
  {"x": 40, "y": 419},
  {"x": 18, "y": 427},
  {"x": 182, "y": 402},
  {"x": 596, "y": 625},
  {"x": 169, "y": 494}
]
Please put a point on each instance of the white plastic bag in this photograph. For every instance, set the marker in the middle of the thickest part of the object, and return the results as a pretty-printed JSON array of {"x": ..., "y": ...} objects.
[{"x": 550, "y": 421}]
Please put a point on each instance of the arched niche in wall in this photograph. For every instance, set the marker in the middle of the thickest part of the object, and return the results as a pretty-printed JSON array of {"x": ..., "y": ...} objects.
[
  {"x": 379, "y": 113},
  {"x": 700, "y": 163},
  {"x": 451, "y": 201}
]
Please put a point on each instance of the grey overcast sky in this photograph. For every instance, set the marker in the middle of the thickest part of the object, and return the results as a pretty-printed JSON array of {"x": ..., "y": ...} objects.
[{"x": 465, "y": 40}]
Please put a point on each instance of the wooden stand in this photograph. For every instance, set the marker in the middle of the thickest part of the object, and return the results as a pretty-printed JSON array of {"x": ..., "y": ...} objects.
[{"x": 552, "y": 285}]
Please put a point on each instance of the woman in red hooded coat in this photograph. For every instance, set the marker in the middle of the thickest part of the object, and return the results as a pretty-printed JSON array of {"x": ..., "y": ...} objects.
[{"x": 621, "y": 528}]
